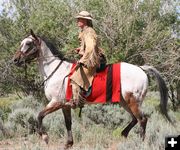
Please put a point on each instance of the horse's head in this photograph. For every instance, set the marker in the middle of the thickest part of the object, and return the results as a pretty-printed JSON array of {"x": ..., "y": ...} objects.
[{"x": 29, "y": 50}]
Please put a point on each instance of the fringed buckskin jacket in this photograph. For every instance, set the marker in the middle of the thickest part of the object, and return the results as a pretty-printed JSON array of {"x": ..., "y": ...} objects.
[{"x": 90, "y": 59}]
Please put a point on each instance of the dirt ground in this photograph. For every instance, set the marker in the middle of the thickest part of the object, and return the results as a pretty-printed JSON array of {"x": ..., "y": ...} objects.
[
  {"x": 38, "y": 144},
  {"x": 26, "y": 144}
]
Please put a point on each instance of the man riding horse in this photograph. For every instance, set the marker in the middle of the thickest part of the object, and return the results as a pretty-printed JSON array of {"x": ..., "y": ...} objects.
[
  {"x": 129, "y": 84},
  {"x": 91, "y": 58}
]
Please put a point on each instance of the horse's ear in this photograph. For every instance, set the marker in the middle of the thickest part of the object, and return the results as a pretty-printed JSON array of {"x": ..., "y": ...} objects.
[{"x": 33, "y": 35}]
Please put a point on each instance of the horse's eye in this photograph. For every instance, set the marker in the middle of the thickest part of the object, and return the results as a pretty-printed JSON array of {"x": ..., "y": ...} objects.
[{"x": 28, "y": 44}]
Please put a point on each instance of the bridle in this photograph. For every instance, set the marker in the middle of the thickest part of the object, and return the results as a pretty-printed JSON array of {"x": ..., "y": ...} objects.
[{"x": 36, "y": 51}]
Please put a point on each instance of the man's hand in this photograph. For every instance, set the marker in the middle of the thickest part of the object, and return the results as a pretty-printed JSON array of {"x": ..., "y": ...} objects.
[
  {"x": 77, "y": 50},
  {"x": 79, "y": 63}
]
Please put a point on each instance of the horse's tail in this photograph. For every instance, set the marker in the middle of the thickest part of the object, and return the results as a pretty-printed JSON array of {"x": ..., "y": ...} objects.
[{"x": 162, "y": 88}]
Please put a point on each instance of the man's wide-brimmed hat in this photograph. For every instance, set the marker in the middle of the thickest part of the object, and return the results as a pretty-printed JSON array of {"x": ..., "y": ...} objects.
[{"x": 84, "y": 15}]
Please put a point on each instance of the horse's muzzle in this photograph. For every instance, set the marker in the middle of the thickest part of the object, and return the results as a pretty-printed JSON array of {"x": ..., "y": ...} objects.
[{"x": 17, "y": 62}]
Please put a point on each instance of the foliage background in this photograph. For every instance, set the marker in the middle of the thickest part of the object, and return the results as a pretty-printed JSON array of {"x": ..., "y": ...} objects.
[{"x": 136, "y": 31}]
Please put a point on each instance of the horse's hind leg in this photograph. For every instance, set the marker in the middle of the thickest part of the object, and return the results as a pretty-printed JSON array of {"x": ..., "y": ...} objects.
[
  {"x": 135, "y": 107},
  {"x": 51, "y": 107},
  {"x": 68, "y": 122},
  {"x": 132, "y": 106},
  {"x": 143, "y": 121},
  {"x": 125, "y": 132}
]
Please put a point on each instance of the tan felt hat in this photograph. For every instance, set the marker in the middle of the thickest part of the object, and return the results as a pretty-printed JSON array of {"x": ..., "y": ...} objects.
[{"x": 84, "y": 15}]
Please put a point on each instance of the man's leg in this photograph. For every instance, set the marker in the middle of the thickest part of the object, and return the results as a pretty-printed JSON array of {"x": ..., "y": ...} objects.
[
  {"x": 77, "y": 99},
  {"x": 76, "y": 92}
]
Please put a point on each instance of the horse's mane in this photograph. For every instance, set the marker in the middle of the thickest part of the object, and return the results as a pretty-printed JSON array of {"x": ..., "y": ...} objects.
[{"x": 52, "y": 45}]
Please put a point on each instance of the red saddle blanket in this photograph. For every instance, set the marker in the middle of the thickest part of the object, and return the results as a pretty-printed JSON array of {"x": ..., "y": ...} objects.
[{"x": 106, "y": 86}]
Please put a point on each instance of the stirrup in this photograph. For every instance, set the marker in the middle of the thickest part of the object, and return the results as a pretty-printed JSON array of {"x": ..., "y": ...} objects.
[{"x": 86, "y": 93}]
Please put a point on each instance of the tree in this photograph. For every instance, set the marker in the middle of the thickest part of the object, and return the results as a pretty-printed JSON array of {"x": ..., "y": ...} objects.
[{"x": 138, "y": 32}]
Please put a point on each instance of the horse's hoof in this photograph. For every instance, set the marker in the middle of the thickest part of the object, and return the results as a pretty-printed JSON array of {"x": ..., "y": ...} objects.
[
  {"x": 45, "y": 137},
  {"x": 124, "y": 134},
  {"x": 68, "y": 145}
]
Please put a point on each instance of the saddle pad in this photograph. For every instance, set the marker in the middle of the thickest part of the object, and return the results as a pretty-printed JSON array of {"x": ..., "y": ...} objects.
[{"x": 105, "y": 88}]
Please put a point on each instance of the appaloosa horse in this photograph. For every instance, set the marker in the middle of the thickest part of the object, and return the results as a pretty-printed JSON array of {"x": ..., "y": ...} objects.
[{"x": 54, "y": 69}]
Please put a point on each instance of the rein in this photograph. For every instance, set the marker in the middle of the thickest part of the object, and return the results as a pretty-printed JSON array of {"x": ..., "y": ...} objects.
[
  {"x": 52, "y": 73},
  {"x": 75, "y": 68},
  {"x": 72, "y": 70}
]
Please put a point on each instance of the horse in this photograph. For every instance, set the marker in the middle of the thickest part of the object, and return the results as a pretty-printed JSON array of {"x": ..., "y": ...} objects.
[{"x": 54, "y": 69}]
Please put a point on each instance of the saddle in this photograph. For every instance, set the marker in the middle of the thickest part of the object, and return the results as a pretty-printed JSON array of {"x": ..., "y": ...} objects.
[
  {"x": 101, "y": 68},
  {"x": 105, "y": 88}
]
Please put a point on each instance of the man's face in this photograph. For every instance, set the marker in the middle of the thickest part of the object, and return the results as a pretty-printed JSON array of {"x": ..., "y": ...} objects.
[{"x": 81, "y": 22}]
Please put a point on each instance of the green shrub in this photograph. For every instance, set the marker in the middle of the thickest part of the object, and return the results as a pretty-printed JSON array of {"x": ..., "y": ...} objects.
[
  {"x": 24, "y": 118},
  {"x": 111, "y": 116},
  {"x": 5, "y": 105},
  {"x": 27, "y": 102},
  {"x": 54, "y": 124}
]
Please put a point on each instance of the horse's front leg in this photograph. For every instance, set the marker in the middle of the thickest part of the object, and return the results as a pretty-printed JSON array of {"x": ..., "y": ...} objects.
[
  {"x": 51, "y": 107},
  {"x": 68, "y": 122}
]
